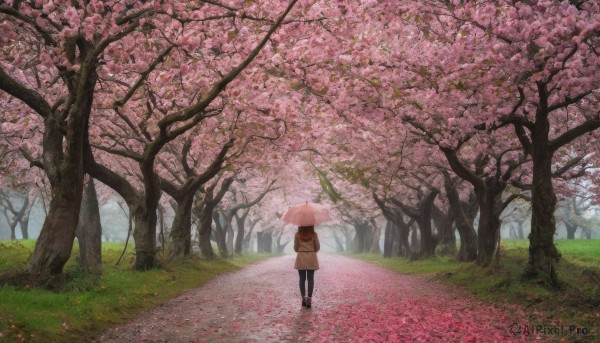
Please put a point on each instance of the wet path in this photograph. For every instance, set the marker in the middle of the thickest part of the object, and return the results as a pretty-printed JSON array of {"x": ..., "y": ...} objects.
[{"x": 354, "y": 301}]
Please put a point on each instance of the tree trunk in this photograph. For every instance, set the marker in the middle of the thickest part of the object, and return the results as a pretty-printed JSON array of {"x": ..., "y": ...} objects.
[
  {"x": 368, "y": 238},
  {"x": 264, "y": 242},
  {"x": 206, "y": 214},
  {"x": 543, "y": 254},
  {"x": 339, "y": 244},
  {"x": 12, "y": 225},
  {"x": 144, "y": 214},
  {"x": 464, "y": 226},
  {"x": 571, "y": 229},
  {"x": 89, "y": 230},
  {"x": 444, "y": 222},
  {"x": 520, "y": 230},
  {"x": 24, "y": 221},
  {"x": 402, "y": 233},
  {"x": 55, "y": 242},
  {"x": 348, "y": 239},
  {"x": 512, "y": 233},
  {"x": 414, "y": 238},
  {"x": 24, "y": 224},
  {"x": 388, "y": 241},
  {"x": 490, "y": 207},
  {"x": 142, "y": 206},
  {"x": 248, "y": 237},
  {"x": 63, "y": 163},
  {"x": 229, "y": 235},
  {"x": 205, "y": 231},
  {"x": 428, "y": 241},
  {"x": 161, "y": 227},
  {"x": 280, "y": 247},
  {"x": 181, "y": 230},
  {"x": 359, "y": 238},
  {"x": 1, "y": 228},
  {"x": 376, "y": 235},
  {"x": 144, "y": 235},
  {"x": 259, "y": 243},
  {"x": 268, "y": 239},
  {"x": 239, "y": 241},
  {"x": 13, "y": 231},
  {"x": 446, "y": 233},
  {"x": 220, "y": 235}
]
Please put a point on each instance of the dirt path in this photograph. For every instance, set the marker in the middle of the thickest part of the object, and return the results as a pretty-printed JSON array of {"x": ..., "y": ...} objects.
[{"x": 353, "y": 301}]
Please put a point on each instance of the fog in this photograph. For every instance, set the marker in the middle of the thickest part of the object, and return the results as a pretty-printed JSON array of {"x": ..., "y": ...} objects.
[{"x": 515, "y": 224}]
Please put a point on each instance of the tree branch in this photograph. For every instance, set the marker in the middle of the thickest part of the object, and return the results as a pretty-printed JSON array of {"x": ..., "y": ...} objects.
[
  {"x": 523, "y": 139},
  {"x": 201, "y": 105},
  {"x": 124, "y": 153},
  {"x": 30, "y": 97},
  {"x": 459, "y": 168},
  {"x": 567, "y": 137},
  {"x": 18, "y": 15},
  {"x": 143, "y": 76}
]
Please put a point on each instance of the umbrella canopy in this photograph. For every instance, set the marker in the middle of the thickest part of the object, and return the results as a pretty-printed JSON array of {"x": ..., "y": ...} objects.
[{"x": 307, "y": 214}]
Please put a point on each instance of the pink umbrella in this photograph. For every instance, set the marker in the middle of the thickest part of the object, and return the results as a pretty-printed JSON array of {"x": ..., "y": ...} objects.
[{"x": 308, "y": 214}]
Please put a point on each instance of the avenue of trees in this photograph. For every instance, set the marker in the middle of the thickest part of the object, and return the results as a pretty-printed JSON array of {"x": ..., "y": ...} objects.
[{"x": 417, "y": 121}]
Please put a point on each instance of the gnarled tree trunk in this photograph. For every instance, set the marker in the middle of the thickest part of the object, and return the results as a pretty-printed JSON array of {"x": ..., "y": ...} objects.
[
  {"x": 240, "y": 221},
  {"x": 264, "y": 242},
  {"x": 446, "y": 233},
  {"x": 64, "y": 167},
  {"x": 490, "y": 208},
  {"x": 402, "y": 233},
  {"x": 423, "y": 216},
  {"x": 428, "y": 241},
  {"x": 543, "y": 254},
  {"x": 376, "y": 235},
  {"x": 181, "y": 230},
  {"x": 464, "y": 225},
  {"x": 248, "y": 236},
  {"x": 571, "y": 229},
  {"x": 24, "y": 225},
  {"x": 359, "y": 237},
  {"x": 415, "y": 240},
  {"x": 388, "y": 239},
  {"x": 89, "y": 230},
  {"x": 220, "y": 235}
]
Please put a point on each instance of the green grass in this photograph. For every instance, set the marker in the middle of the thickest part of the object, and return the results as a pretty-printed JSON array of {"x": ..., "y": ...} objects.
[
  {"x": 577, "y": 302},
  {"x": 580, "y": 251},
  {"x": 87, "y": 304}
]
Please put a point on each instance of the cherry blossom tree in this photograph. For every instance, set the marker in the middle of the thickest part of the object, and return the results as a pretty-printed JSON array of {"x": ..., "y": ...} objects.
[
  {"x": 84, "y": 43},
  {"x": 89, "y": 230},
  {"x": 529, "y": 66},
  {"x": 65, "y": 44},
  {"x": 184, "y": 192},
  {"x": 16, "y": 214},
  {"x": 546, "y": 56},
  {"x": 204, "y": 208}
]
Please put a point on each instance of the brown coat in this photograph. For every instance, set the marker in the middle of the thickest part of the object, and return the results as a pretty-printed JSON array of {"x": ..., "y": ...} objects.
[{"x": 306, "y": 257}]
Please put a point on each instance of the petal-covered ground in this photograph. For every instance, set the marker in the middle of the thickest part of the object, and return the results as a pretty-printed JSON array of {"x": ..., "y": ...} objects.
[{"x": 354, "y": 301}]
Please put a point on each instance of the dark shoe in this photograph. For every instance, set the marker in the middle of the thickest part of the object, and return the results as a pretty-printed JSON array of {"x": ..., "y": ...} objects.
[
  {"x": 308, "y": 302},
  {"x": 303, "y": 301}
]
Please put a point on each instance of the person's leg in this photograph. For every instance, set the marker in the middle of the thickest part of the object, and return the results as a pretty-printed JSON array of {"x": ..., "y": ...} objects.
[
  {"x": 311, "y": 282},
  {"x": 302, "y": 274}
]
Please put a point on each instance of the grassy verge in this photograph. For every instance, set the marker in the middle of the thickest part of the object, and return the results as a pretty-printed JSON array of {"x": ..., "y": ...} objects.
[
  {"x": 576, "y": 303},
  {"x": 87, "y": 304}
]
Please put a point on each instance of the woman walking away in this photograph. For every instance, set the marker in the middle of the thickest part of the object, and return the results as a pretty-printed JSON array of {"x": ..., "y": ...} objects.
[{"x": 306, "y": 245}]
